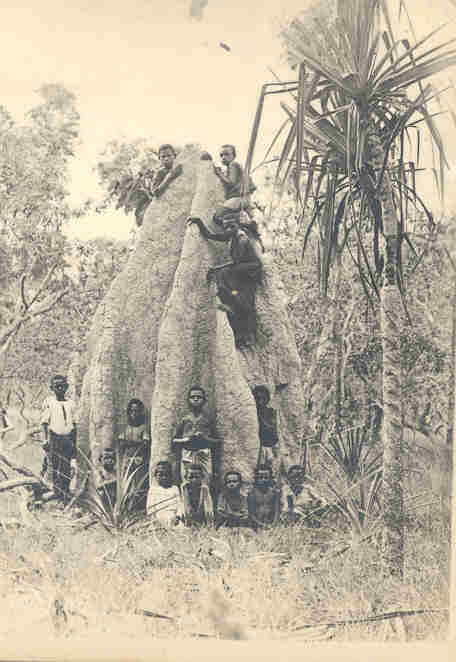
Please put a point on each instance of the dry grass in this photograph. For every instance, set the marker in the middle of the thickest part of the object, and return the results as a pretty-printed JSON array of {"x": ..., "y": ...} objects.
[{"x": 225, "y": 584}]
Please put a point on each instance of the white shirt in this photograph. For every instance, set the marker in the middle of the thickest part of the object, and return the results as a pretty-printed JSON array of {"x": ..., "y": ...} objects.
[
  {"x": 164, "y": 503},
  {"x": 58, "y": 414}
]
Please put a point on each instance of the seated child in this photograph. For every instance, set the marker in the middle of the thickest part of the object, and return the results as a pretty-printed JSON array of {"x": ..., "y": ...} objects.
[
  {"x": 164, "y": 501},
  {"x": 195, "y": 441},
  {"x": 167, "y": 173},
  {"x": 236, "y": 198},
  {"x": 147, "y": 187},
  {"x": 263, "y": 499},
  {"x": 232, "y": 509},
  {"x": 198, "y": 508},
  {"x": 107, "y": 485},
  {"x": 299, "y": 501}
]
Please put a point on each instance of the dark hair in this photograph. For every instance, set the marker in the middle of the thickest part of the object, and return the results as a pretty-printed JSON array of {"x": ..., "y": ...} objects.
[
  {"x": 232, "y": 147},
  {"x": 296, "y": 467},
  {"x": 261, "y": 389},
  {"x": 163, "y": 464},
  {"x": 59, "y": 378},
  {"x": 264, "y": 467},
  {"x": 252, "y": 229},
  {"x": 135, "y": 401},
  {"x": 166, "y": 146},
  {"x": 234, "y": 472},
  {"x": 195, "y": 387}
]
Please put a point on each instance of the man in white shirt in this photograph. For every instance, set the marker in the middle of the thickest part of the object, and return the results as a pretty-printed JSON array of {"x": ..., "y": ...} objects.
[{"x": 58, "y": 421}]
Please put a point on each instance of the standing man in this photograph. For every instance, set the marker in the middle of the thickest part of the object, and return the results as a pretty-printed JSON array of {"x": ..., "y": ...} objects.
[{"x": 58, "y": 421}]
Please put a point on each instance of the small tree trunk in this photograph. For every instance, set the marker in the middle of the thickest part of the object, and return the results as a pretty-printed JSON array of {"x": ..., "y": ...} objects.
[
  {"x": 393, "y": 543},
  {"x": 390, "y": 321},
  {"x": 338, "y": 342}
]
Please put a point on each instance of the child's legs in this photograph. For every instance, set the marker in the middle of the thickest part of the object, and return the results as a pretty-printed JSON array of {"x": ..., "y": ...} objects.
[{"x": 61, "y": 454}]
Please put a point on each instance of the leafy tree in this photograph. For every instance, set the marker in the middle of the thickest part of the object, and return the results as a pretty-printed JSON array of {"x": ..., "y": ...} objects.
[
  {"x": 34, "y": 160},
  {"x": 124, "y": 170},
  {"x": 359, "y": 97},
  {"x": 47, "y": 346}
]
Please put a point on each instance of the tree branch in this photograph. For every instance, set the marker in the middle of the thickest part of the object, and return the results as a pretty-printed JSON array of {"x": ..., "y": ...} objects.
[
  {"x": 28, "y": 311},
  {"x": 44, "y": 284},
  {"x": 24, "y": 300}
]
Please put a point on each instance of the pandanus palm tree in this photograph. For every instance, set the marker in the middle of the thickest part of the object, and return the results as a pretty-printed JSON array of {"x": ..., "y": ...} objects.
[{"x": 361, "y": 98}]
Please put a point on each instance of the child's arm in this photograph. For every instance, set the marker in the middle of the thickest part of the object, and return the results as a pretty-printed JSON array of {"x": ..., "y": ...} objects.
[
  {"x": 207, "y": 234},
  {"x": 161, "y": 187},
  {"x": 234, "y": 174}
]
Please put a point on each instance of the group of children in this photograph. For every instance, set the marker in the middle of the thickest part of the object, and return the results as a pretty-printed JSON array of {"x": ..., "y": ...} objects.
[
  {"x": 152, "y": 185},
  {"x": 264, "y": 506},
  {"x": 185, "y": 489}
]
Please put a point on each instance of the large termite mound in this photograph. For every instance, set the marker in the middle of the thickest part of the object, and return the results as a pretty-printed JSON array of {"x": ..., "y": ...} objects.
[{"x": 158, "y": 331}]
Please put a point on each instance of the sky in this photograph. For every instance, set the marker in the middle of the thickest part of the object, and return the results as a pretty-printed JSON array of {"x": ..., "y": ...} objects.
[{"x": 145, "y": 68}]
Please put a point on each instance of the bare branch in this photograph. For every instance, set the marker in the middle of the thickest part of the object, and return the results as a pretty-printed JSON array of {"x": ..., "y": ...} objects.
[
  {"x": 24, "y": 300},
  {"x": 44, "y": 283},
  {"x": 48, "y": 305}
]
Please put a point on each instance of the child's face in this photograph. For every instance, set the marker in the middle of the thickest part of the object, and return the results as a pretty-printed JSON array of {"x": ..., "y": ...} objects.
[
  {"x": 109, "y": 460},
  {"x": 196, "y": 400},
  {"x": 232, "y": 483},
  {"x": 194, "y": 478},
  {"x": 167, "y": 157},
  {"x": 60, "y": 388},
  {"x": 226, "y": 155},
  {"x": 163, "y": 477},
  {"x": 230, "y": 227},
  {"x": 134, "y": 412}
]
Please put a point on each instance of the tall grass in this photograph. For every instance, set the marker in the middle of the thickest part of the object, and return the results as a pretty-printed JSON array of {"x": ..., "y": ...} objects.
[{"x": 267, "y": 583}]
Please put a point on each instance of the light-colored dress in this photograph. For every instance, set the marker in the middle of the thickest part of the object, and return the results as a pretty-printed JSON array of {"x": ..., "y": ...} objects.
[{"x": 164, "y": 504}]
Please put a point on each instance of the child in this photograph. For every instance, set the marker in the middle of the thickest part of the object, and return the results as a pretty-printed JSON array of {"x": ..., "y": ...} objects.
[
  {"x": 195, "y": 441},
  {"x": 299, "y": 502},
  {"x": 134, "y": 452},
  {"x": 148, "y": 187},
  {"x": 58, "y": 421},
  {"x": 167, "y": 173},
  {"x": 198, "y": 506},
  {"x": 232, "y": 509},
  {"x": 267, "y": 426},
  {"x": 164, "y": 501},
  {"x": 236, "y": 198},
  {"x": 263, "y": 499}
]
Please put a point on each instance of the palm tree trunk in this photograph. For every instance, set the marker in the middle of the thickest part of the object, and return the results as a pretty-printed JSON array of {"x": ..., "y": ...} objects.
[
  {"x": 390, "y": 322},
  {"x": 338, "y": 342}
]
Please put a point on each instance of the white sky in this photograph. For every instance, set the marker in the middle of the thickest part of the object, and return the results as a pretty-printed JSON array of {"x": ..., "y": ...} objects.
[{"x": 143, "y": 68}]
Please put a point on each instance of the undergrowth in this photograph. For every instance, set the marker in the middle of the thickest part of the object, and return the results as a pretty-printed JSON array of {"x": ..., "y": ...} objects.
[{"x": 229, "y": 584}]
